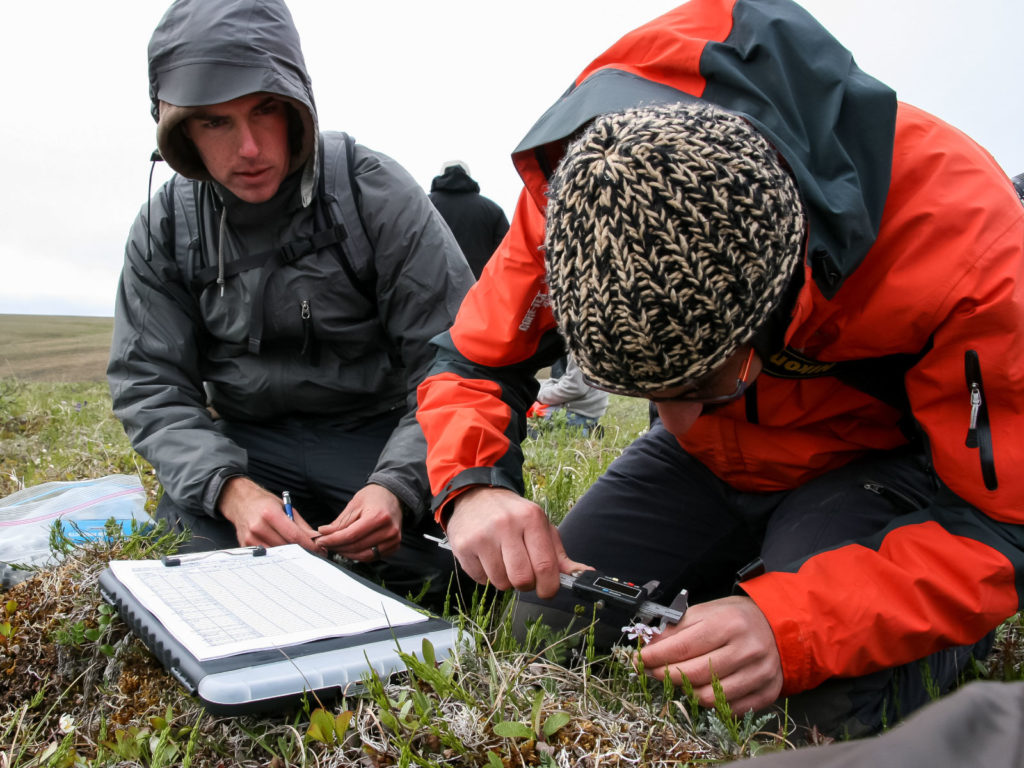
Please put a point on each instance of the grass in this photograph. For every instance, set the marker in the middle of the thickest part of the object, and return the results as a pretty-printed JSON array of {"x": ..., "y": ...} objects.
[
  {"x": 77, "y": 689},
  {"x": 59, "y": 432},
  {"x": 54, "y": 348}
]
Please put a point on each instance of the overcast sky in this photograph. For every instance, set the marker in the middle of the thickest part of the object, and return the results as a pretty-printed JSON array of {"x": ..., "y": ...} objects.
[{"x": 422, "y": 82}]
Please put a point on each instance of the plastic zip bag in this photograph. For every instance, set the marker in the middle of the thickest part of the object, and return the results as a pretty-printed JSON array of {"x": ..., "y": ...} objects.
[{"x": 84, "y": 506}]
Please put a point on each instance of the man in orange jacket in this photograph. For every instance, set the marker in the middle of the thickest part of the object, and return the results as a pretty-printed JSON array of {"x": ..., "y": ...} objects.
[{"x": 820, "y": 288}]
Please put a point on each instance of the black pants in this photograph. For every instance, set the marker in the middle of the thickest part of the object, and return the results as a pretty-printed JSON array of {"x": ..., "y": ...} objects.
[
  {"x": 658, "y": 514},
  {"x": 323, "y": 464}
]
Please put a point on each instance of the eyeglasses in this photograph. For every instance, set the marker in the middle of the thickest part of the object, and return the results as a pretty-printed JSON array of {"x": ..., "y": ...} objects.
[{"x": 694, "y": 395}]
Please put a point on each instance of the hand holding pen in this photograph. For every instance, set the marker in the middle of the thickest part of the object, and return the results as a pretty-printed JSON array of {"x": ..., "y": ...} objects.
[
  {"x": 256, "y": 515},
  {"x": 286, "y": 502}
]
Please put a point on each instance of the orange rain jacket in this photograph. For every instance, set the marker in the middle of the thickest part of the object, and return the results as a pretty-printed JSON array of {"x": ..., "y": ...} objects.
[{"x": 909, "y": 320}]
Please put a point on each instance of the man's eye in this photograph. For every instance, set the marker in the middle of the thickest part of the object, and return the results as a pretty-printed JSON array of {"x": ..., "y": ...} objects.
[{"x": 213, "y": 122}]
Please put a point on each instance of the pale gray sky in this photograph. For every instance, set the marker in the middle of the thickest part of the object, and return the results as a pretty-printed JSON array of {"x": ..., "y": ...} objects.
[{"x": 422, "y": 82}]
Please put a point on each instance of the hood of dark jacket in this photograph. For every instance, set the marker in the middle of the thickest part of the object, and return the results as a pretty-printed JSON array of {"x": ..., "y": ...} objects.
[
  {"x": 772, "y": 63},
  {"x": 211, "y": 51},
  {"x": 454, "y": 179}
]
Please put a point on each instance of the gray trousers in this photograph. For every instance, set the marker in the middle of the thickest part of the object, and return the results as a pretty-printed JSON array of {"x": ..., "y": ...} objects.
[
  {"x": 979, "y": 725},
  {"x": 323, "y": 464},
  {"x": 658, "y": 514}
]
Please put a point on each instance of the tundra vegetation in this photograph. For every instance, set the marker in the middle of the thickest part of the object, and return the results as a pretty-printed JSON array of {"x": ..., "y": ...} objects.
[{"x": 78, "y": 689}]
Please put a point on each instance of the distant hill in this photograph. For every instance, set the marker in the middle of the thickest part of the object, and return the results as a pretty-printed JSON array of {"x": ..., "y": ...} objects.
[
  {"x": 54, "y": 347},
  {"x": 58, "y": 348}
]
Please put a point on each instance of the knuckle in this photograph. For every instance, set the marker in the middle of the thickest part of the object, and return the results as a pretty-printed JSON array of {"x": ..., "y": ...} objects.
[{"x": 521, "y": 578}]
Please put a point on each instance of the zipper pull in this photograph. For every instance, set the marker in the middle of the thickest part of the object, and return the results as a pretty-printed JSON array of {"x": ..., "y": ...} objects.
[
  {"x": 305, "y": 314},
  {"x": 972, "y": 430}
]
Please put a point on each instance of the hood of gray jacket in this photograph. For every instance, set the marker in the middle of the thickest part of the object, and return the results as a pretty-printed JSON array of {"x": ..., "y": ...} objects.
[{"x": 207, "y": 52}]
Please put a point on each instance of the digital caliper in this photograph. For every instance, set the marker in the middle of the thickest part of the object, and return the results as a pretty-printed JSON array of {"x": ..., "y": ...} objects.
[{"x": 602, "y": 590}]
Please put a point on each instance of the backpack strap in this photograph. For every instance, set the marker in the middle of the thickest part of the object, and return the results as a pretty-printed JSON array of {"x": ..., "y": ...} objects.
[
  {"x": 272, "y": 257},
  {"x": 341, "y": 204}
]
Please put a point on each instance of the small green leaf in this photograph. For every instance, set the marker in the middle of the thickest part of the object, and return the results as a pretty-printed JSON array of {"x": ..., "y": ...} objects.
[
  {"x": 158, "y": 723},
  {"x": 107, "y": 650},
  {"x": 389, "y": 721},
  {"x": 510, "y": 730},
  {"x": 313, "y": 732},
  {"x": 323, "y": 722},
  {"x": 429, "y": 657},
  {"x": 403, "y": 715},
  {"x": 423, "y": 705},
  {"x": 341, "y": 723},
  {"x": 493, "y": 761},
  {"x": 5, "y": 629},
  {"x": 554, "y": 722},
  {"x": 538, "y": 702},
  {"x": 12, "y": 605},
  {"x": 92, "y": 635}
]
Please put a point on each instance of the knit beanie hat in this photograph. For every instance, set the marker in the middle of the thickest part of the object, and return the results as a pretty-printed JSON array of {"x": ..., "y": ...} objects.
[{"x": 672, "y": 232}]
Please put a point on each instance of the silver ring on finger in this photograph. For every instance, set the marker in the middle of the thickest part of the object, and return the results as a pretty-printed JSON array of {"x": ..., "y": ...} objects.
[{"x": 376, "y": 552}]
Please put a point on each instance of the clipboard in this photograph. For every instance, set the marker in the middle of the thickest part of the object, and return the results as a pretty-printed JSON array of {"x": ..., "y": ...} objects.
[{"x": 276, "y": 679}]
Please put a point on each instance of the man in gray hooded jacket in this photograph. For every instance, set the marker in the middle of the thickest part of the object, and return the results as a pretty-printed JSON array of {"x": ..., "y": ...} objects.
[{"x": 275, "y": 305}]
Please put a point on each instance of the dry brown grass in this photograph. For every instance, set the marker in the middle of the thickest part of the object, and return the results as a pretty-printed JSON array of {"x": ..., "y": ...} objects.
[{"x": 54, "y": 348}]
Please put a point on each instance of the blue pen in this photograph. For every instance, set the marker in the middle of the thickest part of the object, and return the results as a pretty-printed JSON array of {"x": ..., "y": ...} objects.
[{"x": 286, "y": 498}]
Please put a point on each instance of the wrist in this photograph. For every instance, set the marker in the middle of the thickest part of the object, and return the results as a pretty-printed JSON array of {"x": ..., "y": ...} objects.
[
  {"x": 236, "y": 494},
  {"x": 452, "y": 503}
]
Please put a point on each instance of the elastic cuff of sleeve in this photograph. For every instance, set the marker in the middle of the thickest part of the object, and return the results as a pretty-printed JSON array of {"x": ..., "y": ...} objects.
[
  {"x": 413, "y": 507},
  {"x": 491, "y": 477},
  {"x": 214, "y": 488}
]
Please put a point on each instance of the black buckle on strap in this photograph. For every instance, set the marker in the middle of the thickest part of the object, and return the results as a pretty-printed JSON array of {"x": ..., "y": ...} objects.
[
  {"x": 296, "y": 249},
  {"x": 304, "y": 246}
]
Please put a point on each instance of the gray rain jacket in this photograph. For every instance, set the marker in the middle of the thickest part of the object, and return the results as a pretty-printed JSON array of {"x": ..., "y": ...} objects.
[{"x": 345, "y": 329}]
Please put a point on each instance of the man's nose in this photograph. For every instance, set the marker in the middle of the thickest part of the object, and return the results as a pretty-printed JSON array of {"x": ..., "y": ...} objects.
[
  {"x": 678, "y": 417},
  {"x": 248, "y": 146}
]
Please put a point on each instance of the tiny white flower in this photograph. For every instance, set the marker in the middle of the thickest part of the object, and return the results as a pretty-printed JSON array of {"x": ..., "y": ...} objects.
[
  {"x": 644, "y": 632},
  {"x": 66, "y": 723}
]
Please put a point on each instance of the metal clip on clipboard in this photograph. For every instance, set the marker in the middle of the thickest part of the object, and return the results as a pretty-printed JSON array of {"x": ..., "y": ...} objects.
[{"x": 172, "y": 560}]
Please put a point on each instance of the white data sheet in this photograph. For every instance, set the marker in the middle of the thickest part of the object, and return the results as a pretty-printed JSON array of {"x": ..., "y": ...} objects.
[{"x": 228, "y": 602}]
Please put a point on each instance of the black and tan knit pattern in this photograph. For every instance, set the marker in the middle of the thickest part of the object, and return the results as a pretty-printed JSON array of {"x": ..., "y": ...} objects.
[{"x": 672, "y": 232}]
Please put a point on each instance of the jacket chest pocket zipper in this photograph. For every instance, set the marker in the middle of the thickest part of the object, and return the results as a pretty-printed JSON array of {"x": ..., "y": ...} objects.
[
  {"x": 309, "y": 342},
  {"x": 897, "y": 498},
  {"x": 979, "y": 431}
]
